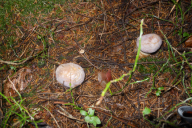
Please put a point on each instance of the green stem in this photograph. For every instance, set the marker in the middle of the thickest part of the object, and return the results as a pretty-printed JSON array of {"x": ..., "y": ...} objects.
[{"x": 134, "y": 67}]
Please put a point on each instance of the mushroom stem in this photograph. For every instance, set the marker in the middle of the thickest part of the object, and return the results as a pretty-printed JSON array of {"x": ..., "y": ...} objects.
[{"x": 143, "y": 55}]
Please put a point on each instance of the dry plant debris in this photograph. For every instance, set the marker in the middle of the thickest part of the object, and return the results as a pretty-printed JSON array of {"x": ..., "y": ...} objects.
[
  {"x": 18, "y": 82},
  {"x": 100, "y": 36}
]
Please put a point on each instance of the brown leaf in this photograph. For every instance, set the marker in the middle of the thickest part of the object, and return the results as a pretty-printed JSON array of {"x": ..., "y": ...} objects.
[
  {"x": 19, "y": 81},
  {"x": 188, "y": 42}
]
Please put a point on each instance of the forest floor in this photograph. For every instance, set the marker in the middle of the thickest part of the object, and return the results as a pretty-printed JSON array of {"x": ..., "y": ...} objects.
[{"x": 37, "y": 36}]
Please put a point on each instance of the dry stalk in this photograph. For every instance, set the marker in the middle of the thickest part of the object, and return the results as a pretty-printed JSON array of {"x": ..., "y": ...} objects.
[
  {"x": 52, "y": 117},
  {"x": 65, "y": 113},
  {"x": 13, "y": 63}
]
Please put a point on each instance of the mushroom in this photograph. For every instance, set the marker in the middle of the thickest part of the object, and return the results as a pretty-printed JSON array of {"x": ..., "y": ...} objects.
[
  {"x": 104, "y": 77},
  {"x": 150, "y": 43},
  {"x": 70, "y": 73}
]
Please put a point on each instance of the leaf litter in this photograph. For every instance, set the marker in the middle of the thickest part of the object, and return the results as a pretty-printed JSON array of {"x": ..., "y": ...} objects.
[{"x": 106, "y": 31}]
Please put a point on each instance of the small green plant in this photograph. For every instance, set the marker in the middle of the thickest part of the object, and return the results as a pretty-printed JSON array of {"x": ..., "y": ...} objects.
[
  {"x": 146, "y": 111},
  {"x": 153, "y": 65},
  {"x": 185, "y": 34},
  {"x": 158, "y": 92},
  {"x": 89, "y": 117}
]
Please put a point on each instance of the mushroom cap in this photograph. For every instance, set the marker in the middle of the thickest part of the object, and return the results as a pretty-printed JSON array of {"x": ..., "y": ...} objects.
[
  {"x": 70, "y": 73},
  {"x": 150, "y": 43}
]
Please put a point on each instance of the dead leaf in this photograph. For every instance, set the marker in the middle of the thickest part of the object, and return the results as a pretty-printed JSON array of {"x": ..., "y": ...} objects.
[
  {"x": 188, "y": 42},
  {"x": 18, "y": 81}
]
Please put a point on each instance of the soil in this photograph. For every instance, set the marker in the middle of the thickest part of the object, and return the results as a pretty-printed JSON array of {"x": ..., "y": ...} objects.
[{"x": 101, "y": 36}]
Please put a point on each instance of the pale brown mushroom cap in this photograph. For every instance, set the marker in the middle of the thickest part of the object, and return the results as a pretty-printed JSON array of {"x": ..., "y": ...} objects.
[
  {"x": 150, "y": 43},
  {"x": 70, "y": 73}
]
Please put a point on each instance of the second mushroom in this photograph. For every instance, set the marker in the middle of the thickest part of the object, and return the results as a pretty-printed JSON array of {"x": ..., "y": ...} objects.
[{"x": 150, "y": 43}]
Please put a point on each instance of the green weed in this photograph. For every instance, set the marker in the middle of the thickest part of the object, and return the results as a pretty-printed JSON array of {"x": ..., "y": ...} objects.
[
  {"x": 130, "y": 73},
  {"x": 17, "y": 108},
  {"x": 89, "y": 117},
  {"x": 152, "y": 67}
]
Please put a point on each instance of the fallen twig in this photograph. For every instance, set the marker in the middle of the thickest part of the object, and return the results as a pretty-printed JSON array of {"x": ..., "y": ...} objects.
[
  {"x": 65, "y": 113},
  {"x": 13, "y": 63}
]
